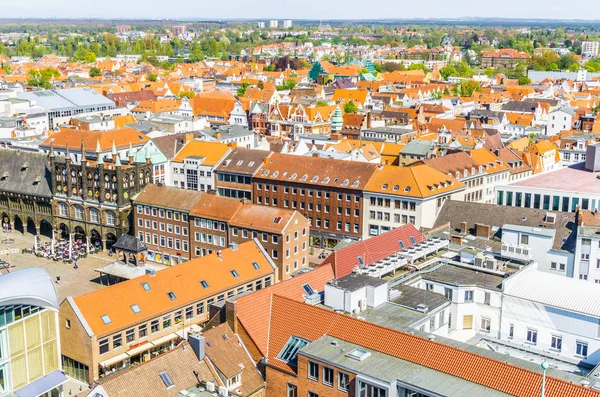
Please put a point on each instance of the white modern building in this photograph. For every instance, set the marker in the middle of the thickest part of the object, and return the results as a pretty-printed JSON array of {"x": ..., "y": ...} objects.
[
  {"x": 287, "y": 23},
  {"x": 590, "y": 48},
  {"x": 560, "y": 120},
  {"x": 552, "y": 314},
  {"x": 475, "y": 296},
  {"x": 273, "y": 23}
]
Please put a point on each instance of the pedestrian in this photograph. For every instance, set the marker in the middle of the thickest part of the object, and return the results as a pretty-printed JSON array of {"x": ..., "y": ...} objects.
[
  {"x": 57, "y": 279},
  {"x": 76, "y": 265}
]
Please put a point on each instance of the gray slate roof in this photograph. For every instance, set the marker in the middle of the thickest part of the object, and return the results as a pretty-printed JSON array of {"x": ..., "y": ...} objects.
[
  {"x": 25, "y": 173},
  {"x": 455, "y": 212},
  {"x": 130, "y": 243}
]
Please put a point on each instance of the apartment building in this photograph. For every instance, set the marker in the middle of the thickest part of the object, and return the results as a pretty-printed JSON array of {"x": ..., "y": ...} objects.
[
  {"x": 327, "y": 192},
  {"x": 29, "y": 341},
  {"x": 312, "y": 354},
  {"x": 545, "y": 312},
  {"x": 463, "y": 168},
  {"x": 235, "y": 173},
  {"x": 161, "y": 219},
  {"x": 194, "y": 165},
  {"x": 475, "y": 296},
  {"x": 396, "y": 196},
  {"x": 136, "y": 320},
  {"x": 497, "y": 172},
  {"x": 179, "y": 225}
]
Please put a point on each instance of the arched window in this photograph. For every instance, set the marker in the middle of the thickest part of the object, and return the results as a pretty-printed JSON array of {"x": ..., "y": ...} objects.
[
  {"x": 94, "y": 216},
  {"x": 78, "y": 212},
  {"x": 111, "y": 218},
  {"x": 62, "y": 209}
]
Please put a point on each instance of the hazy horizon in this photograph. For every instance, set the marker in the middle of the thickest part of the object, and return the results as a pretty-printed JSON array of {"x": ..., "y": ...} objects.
[{"x": 310, "y": 9}]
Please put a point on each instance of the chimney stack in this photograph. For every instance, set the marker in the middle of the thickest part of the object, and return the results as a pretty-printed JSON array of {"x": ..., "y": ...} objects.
[
  {"x": 463, "y": 227},
  {"x": 482, "y": 230}
]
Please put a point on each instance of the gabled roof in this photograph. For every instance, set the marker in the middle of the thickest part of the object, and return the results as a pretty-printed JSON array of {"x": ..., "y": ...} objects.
[
  {"x": 182, "y": 280},
  {"x": 213, "y": 152},
  {"x": 73, "y": 138},
  {"x": 25, "y": 173},
  {"x": 144, "y": 379},
  {"x": 317, "y": 171},
  {"x": 253, "y": 310},
  {"x": 372, "y": 250},
  {"x": 227, "y": 354},
  {"x": 310, "y": 323},
  {"x": 420, "y": 181}
]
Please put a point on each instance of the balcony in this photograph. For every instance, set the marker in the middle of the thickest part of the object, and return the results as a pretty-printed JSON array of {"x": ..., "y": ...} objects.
[{"x": 520, "y": 252}]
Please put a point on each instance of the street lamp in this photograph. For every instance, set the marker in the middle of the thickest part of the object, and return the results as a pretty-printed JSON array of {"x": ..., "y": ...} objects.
[{"x": 544, "y": 368}]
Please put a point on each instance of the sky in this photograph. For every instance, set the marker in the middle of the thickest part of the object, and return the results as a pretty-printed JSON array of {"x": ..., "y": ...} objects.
[{"x": 305, "y": 9}]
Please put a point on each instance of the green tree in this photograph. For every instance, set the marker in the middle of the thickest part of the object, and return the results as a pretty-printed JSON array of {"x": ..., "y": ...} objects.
[
  {"x": 489, "y": 72},
  {"x": 417, "y": 66},
  {"x": 186, "y": 94},
  {"x": 321, "y": 102},
  {"x": 89, "y": 57},
  {"x": 448, "y": 70},
  {"x": 242, "y": 88},
  {"x": 524, "y": 80},
  {"x": 315, "y": 71},
  {"x": 151, "y": 77},
  {"x": 42, "y": 78},
  {"x": 350, "y": 107},
  {"x": 95, "y": 72},
  {"x": 466, "y": 88},
  {"x": 287, "y": 85},
  {"x": 392, "y": 66}
]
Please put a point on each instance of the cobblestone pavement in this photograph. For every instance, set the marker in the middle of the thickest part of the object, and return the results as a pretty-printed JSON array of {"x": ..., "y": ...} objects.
[{"x": 73, "y": 282}]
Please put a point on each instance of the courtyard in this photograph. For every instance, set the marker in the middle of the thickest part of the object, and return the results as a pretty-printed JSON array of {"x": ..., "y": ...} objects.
[{"x": 73, "y": 282}]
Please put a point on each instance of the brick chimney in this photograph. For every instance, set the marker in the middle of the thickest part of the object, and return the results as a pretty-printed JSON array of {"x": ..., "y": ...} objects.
[
  {"x": 188, "y": 137},
  {"x": 456, "y": 239},
  {"x": 369, "y": 117},
  {"x": 482, "y": 230}
]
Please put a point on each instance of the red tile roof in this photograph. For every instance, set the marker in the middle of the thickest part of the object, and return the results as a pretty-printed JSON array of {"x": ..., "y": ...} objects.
[
  {"x": 372, "y": 250},
  {"x": 311, "y": 322},
  {"x": 253, "y": 311}
]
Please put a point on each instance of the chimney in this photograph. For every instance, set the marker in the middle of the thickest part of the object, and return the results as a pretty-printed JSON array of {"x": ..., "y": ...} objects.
[
  {"x": 463, "y": 228},
  {"x": 234, "y": 246},
  {"x": 456, "y": 239},
  {"x": 197, "y": 343},
  {"x": 369, "y": 117},
  {"x": 188, "y": 137},
  {"x": 218, "y": 135},
  {"x": 482, "y": 230},
  {"x": 219, "y": 255}
]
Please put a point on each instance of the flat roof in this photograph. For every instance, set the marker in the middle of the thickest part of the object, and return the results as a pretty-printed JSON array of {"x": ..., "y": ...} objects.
[
  {"x": 387, "y": 368},
  {"x": 461, "y": 276},
  {"x": 573, "y": 179},
  {"x": 354, "y": 281}
]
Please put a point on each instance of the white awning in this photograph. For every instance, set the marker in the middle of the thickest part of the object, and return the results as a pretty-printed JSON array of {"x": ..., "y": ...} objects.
[
  {"x": 164, "y": 339},
  {"x": 140, "y": 349},
  {"x": 114, "y": 360}
]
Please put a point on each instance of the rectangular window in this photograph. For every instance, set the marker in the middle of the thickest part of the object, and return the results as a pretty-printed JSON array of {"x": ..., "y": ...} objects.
[
  {"x": 103, "y": 346},
  {"x": 328, "y": 376},
  {"x": 313, "y": 371},
  {"x": 166, "y": 322},
  {"x": 556, "y": 342},
  {"x": 468, "y": 296},
  {"x": 581, "y": 349},
  {"x": 292, "y": 390},
  {"x": 117, "y": 341},
  {"x": 532, "y": 336},
  {"x": 343, "y": 381},
  {"x": 130, "y": 335},
  {"x": 487, "y": 298},
  {"x": 142, "y": 331},
  {"x": 485, "y": 324}
]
